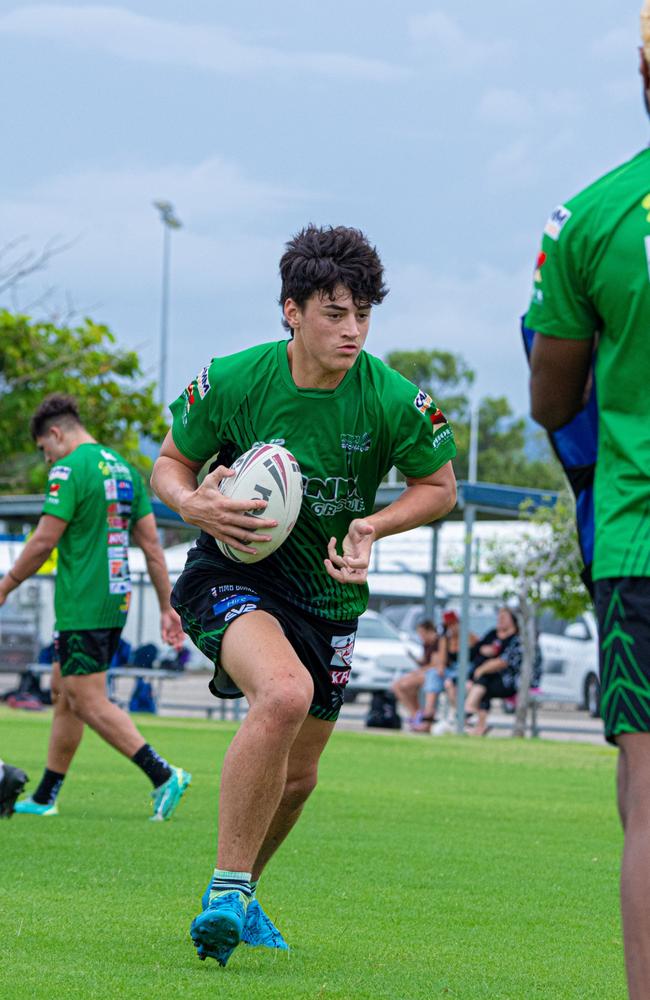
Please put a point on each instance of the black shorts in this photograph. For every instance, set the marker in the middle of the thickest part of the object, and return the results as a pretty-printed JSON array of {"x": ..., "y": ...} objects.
[
  {"x": 496, "y": 686},
  {"x": 85, "y": 651},
  {"x": 208, "y": 598},
  {"x": 623, "y": 611}
]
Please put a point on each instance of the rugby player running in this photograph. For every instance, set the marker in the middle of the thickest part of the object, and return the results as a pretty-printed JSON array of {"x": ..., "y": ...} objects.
[
  {"x": 95, "y": 499},
  {"x": 282, "y": 630},
  {"x": 592, "y": 291}
]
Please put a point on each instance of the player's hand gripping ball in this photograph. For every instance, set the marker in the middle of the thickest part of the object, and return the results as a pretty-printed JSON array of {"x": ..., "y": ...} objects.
[{"x": 265, "y": 472}]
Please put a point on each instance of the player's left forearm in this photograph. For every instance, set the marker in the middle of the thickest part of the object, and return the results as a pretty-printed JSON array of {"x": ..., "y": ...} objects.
[{"x": 419, "y": 504}]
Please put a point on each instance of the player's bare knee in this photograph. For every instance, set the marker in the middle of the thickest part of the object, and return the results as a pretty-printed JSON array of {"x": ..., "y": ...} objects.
[{"x": 286, "y": 700}]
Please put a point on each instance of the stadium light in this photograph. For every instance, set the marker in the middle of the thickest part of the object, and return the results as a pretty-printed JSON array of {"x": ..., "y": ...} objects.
[{"x": 170, "y": 221}]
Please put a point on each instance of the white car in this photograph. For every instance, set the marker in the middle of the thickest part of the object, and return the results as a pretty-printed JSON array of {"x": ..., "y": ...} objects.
[
  {"x": 380, "y": 656},
  {"x": 570, "y": 660}
]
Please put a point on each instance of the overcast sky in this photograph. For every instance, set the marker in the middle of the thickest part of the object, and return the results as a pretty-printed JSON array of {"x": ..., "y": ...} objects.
[{"x": 446, "y": 131}]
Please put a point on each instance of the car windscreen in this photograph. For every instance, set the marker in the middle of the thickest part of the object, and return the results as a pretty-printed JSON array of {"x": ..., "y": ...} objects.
[{"x": 375, "y": 628}]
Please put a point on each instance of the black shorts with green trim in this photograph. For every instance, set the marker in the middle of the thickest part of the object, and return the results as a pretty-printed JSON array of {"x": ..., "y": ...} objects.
[
  {"x": 209, "y": 598},
  {"x": 623, "y": 611},
  {"x": 85, "y": 651}
]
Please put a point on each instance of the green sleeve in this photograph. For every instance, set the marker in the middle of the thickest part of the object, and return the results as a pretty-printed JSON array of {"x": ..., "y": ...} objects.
[
  {"x": 141, "y": 503},
  {"x": 62, "y": 491},
  {"x": 560, "y": 304},
  {"x": 423, "y": 440},
  {"x": 195, "y": 418}
]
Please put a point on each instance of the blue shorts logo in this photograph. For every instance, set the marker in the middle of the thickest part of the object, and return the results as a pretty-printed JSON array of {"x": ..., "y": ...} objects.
[{"x": 232, "y": 602}]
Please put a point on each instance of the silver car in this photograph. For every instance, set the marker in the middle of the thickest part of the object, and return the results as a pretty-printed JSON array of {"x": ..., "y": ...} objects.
[{"x": 380, "y": 656}]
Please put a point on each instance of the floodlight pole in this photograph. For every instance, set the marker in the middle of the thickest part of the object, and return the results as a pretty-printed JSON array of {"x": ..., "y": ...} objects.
[
  {"x": 170, "y": 221},
  {"x": 469, "y": 518}
]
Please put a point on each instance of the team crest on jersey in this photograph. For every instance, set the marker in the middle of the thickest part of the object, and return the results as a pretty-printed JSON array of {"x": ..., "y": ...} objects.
[
  {"x": 422, "y": 401},
  {"x": 557, "y": 221},
  {"x": 356, "y": 442}
]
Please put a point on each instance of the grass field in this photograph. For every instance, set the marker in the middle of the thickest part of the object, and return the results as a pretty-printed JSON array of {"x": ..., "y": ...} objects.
[{"x": 421, "y": 868}]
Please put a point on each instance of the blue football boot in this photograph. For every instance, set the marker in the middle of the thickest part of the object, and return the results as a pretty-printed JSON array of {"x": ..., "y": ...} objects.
[{"x": 259, "y": 931}]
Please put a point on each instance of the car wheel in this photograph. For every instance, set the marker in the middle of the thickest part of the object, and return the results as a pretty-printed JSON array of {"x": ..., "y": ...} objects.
[{"x": 592, "y": 696}]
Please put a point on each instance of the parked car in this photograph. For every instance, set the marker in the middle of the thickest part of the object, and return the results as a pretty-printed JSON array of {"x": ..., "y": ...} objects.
[
  {"x": 570, "y": 660},
  {"x": 405, "y": 617},
  {"x": 380, "y": 656}
]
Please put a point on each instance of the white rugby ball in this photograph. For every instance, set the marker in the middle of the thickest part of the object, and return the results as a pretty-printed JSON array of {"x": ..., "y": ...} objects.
[{"x": 265, "y": 472}]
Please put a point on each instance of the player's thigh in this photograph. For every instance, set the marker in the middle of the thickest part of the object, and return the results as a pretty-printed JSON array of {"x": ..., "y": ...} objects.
[
  {"x": 85, "y": 692},
  {"x": 256, "y": 653}
]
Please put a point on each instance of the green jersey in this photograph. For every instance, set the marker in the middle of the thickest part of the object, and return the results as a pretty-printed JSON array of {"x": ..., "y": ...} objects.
[
  {"x": 345, "y": 441},
  {"x": 593, "y": 278},
  {"x": 101, "y": 497}
]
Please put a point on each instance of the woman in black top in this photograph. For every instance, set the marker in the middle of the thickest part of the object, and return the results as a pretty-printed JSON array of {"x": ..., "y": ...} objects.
[{"x": 496, "y": 668}]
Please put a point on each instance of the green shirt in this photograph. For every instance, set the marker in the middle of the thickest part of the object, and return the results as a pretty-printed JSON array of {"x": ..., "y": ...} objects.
[
  {"x": 593, "y": 276},
  {"x": 100, "y": 496},
  {"x": 345, "y": 440}
]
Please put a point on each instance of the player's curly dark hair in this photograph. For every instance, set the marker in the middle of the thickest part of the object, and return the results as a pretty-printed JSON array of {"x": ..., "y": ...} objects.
[
  {"x": 56, "y": 408},
  {"x": 318, "y": 259}
]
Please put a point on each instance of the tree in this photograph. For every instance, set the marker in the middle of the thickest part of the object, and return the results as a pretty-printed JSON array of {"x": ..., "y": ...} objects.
[
  {"x": 543, "y": 569},
  {"x": 116, "y": 403},
  {"x": 502, "y": 445}
]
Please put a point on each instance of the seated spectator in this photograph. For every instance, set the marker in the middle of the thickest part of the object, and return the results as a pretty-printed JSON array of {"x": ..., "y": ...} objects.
[
  {"x": 407, "y": 688},
  {"x": 443, "y": 675},
  {"x": 496, "y": 668}
]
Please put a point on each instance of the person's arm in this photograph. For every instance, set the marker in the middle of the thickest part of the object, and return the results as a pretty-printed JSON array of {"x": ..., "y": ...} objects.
[
  {"x": 145, "y": 535},
  {"x": 439, "y": 656},
  {"x": 423, "y": 500},
  {"x": 174, "y": 479},
  {"x": 36, "y": 551},
  {"x": 559, "y": 379},
  {"x": 494, "y": 666}
]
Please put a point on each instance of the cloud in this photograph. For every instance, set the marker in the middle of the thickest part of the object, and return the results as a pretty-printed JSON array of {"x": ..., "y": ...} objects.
[
  {"x": 123, "y": 33},
  {"x": 455, "y": 48},
  {"x": 224, "y": 212}
]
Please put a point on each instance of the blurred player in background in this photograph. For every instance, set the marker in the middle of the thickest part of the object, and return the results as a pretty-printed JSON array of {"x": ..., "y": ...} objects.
[
  {"x": 95, "y": 501},
  {"x": 592, "y": 288},
  {"x": 348, "y": 419}
]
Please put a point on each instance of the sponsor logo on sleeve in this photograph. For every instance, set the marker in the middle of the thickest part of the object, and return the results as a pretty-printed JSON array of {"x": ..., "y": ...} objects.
[
  {"x": 557, "y": 221},
  {"x": 539, "y": 264},
  {"x": 120, "y": 587},
  {"x": 437, "y": 417},
  {"x": 60, "y": 472},
  {"x": 203, "y": 382},
  {"x": 54, "y": 488},
  {"x": 110, "y": 489},
  {"x": 422, "y": 401},
  {"x": 441, "y": 436},
  {"x": 646, "y": 204}
]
